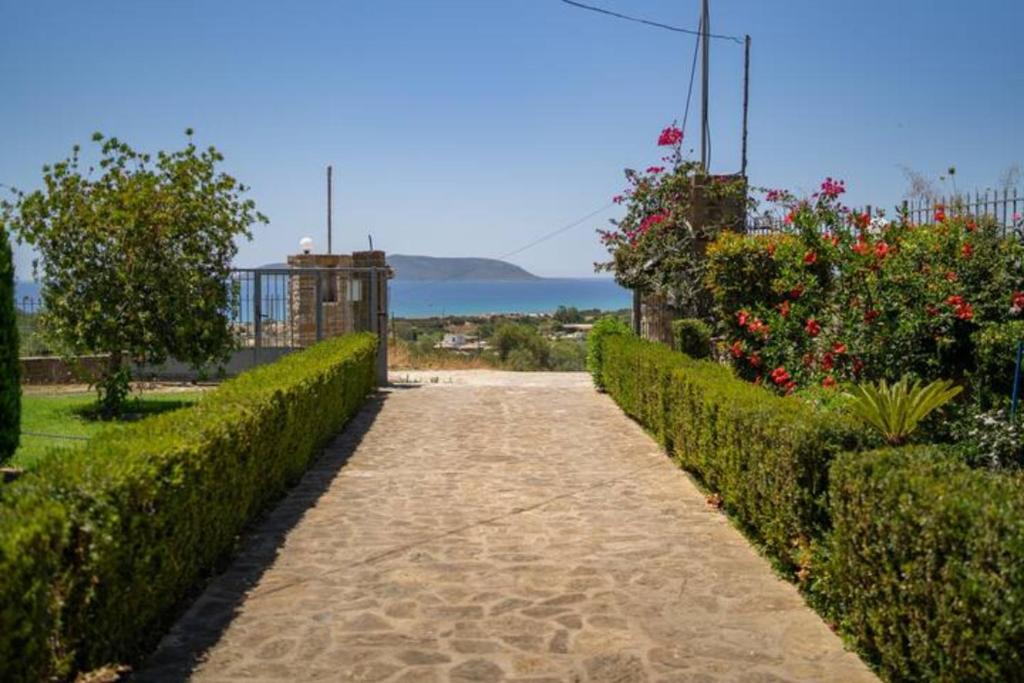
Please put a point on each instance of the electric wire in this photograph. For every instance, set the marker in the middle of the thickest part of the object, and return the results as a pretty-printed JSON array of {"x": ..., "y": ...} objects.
[{"x": 656, "y": 24}]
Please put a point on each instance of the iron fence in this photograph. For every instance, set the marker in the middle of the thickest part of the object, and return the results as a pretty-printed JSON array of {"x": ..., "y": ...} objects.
[
  {"x": 276, "y": 310},
  {"x": 1005, "y": 208}
]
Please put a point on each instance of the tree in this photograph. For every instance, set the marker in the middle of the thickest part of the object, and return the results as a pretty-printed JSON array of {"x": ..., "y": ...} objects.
[
  {"x": 567, "y": 315},
  {"x": 135, "y": 262},
  {"x": 10, "y": 369}
]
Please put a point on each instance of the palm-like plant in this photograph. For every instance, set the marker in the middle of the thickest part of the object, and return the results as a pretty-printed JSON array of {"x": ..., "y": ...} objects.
[{"x": 895, "y": 410}]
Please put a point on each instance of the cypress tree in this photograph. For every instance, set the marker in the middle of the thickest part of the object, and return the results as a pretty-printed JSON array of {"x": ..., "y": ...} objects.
[{"x": 10, "y": 369}]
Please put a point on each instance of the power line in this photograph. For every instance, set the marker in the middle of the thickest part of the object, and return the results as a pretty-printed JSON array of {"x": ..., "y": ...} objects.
[{"x": 656, "y": 24}]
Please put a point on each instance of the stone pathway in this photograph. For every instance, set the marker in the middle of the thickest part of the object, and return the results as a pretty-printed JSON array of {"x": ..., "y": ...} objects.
[{"x": 487, "y": 526}]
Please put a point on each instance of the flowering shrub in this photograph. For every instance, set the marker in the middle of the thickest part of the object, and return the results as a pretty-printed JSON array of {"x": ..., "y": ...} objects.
[
  {"x": 843, "y": 297},
  {"x": 658, "y": 246}
]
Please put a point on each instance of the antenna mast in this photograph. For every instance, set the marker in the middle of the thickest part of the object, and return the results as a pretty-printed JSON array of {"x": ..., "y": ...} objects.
[{"x": 329, "y": 209}]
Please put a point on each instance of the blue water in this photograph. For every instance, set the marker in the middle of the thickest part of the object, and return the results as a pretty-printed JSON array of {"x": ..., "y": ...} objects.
[
  {"x": 416, "y": 299},
  {"x": 424, "y": 298}
]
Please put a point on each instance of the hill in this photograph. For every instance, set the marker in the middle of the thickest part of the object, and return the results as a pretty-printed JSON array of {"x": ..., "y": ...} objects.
[{"x": 455, "y": 268}]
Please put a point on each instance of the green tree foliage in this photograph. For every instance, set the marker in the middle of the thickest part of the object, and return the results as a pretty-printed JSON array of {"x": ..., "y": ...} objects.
[
  {"x": 567, "y": 315},
  {"x": 692, "y": 337},
  {"x": 521, "y": 346},
  {"x": 135, "y": 255},
  {"x": 10, "y": 370},
  {"x": 606, "y": 326}
]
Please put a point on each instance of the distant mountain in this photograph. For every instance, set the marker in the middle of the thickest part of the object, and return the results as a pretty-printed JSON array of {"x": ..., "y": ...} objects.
[{"x": 455, "y": 268}]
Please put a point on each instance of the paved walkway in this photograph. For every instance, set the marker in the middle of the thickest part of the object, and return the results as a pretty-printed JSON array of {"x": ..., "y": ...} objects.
[{"x": 486, "y": 526}]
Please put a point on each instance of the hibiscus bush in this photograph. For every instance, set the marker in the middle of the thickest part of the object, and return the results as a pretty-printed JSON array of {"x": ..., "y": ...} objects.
[
  {"x": 673, "y": 210},
  {"x": 842, "y": 297}
]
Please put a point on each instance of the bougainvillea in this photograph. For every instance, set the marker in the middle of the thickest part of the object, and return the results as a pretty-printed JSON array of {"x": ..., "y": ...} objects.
[
  {"x": 841, "y": 296},
  {"x": 658, "y": 246}
]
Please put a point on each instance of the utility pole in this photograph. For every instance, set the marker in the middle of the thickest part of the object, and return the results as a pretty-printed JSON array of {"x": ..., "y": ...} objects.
[
  {"x": 705, "y": 138},
  {"x": 746, "y": 100},
  {"x": 329, "y": 209}
]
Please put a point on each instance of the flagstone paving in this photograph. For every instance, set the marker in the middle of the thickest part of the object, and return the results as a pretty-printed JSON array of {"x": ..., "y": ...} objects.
[{"x": 487, "y": 526}]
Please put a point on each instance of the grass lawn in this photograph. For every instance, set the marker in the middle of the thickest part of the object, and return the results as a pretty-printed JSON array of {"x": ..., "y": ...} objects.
[{"x": 65, "y": 414}]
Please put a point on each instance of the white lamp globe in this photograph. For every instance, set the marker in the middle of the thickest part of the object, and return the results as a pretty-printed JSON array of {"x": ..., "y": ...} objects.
[{"x": 306, "y": 244}]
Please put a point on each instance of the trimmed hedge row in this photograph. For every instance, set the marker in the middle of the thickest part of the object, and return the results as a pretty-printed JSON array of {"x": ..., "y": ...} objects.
[
  {"x": 925, "y": 565},
  {"x": 765, "y": 455},
  {"x": 918, "y": 558},
  {"x": 98, "y": 547}
]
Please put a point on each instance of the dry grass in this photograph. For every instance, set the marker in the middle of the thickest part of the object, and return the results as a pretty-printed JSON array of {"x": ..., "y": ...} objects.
[{"x": 402, "y": 357}]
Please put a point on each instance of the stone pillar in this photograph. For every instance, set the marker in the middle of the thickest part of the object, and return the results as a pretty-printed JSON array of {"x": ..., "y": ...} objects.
[{"x": 333, "y": 314}]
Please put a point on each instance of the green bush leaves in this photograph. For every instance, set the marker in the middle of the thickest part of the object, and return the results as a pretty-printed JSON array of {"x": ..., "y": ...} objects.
[{"x": 98, "y": 546}]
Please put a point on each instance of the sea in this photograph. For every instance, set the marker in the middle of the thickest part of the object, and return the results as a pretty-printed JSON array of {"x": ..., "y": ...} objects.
[{"x": 427, "y": 298}]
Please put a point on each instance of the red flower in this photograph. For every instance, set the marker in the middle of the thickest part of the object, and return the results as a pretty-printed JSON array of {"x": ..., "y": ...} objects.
[
  {"x": 972, "y": 225},
  {"x": 736, "y": 349},
  {"x": 670, "y": 137},
  {"x": 828, "y": 361},
  {"x": 741, "y": 318},
  {"x": 812, "y": 327},
  {"x": 839, "y": 347},
  {"x": 881, "y": 250},
  {"x": 756, "y": 326},
  {"x": 828, "y": 382},
  {"x": 951, "y": 276},
  {"x": 871, "y": 316},
  {"x": 858, "y": 366},
  {"x": 967, "y": 250},
  {"x": 964, "y": 312},
  {"x": 755, "y": 360},
  {"x": 790, "y": 386},
  {"x": 861, "y": 247},
  {"x": 955, "y": 300},
  {"x": 784, "y": 309},
  {"x": 651, "y": 221},
  {"x": 780, "y": 376},
  {"x": 1018, "y": 299},
  {"x": 810, "y": 258},
  {"x": 861, "y": 220},
  {"x": 796, "y": 292},
  {"x": 940, "y": 213},
  {"x": 788, "y": 220}
]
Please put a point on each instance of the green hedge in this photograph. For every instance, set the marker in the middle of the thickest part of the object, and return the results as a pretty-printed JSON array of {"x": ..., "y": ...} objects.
[
  {"x": 10, "y": 367},
  {"x": 97, "y": 547},
  {"x": 692, "y": 337},
  {"x": 767, "y": 456},
  {"x": 919, "y": 558},
  {"x": 926, "y": 565}
]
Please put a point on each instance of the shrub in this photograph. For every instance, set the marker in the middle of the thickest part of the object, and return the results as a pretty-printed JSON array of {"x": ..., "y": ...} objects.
[
  {"x": 926, "y": 565},
  {"x": 842, "y": 297},
  {"x": 996, "y": 352},
  {"x": 990, "y": 439},
  {"x": 10, "y": 368},
  {"x": 692, "y": 337},
  {"x": 521, "y": 346},
  {"x": 767, "y": 456},
  {"x": 604, "y": 327},
  {"x": 896, "y": 410},
  {"x": 97, "y": 546}
]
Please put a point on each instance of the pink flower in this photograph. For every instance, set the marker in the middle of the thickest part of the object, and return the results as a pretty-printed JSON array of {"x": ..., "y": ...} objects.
[
  {"x": 670, "y": 137},
  {"x": 618, "y": 199},
  {"x": 651, "y": 221},
  {"x": 655, "y": 169},
  {"x": 832, "y": 188}
]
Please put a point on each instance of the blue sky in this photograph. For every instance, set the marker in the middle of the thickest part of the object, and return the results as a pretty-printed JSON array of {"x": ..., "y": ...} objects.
[{"x": 470, "y": 127}]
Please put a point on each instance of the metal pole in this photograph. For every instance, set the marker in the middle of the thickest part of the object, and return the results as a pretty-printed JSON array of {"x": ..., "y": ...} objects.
[
  {"x": 705, "y": 29},
  {"x": 329, "y": 209},
  {"x": 257, "y": 316},
  {"x": 746, "y": 100}
]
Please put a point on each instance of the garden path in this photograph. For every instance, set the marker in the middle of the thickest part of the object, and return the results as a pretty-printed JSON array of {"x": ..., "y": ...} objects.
[{"x": 489, "y": 526}]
